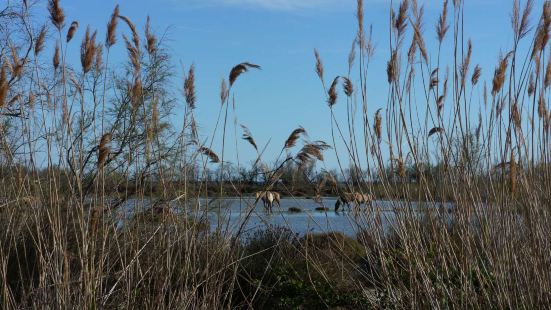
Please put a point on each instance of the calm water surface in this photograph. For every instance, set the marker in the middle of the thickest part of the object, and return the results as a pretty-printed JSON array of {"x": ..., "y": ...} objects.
[{"x": 231, "y": 214}]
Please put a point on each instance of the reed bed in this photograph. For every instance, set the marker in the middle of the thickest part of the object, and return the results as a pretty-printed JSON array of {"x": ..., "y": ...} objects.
[{"x": 81, "y": 145}]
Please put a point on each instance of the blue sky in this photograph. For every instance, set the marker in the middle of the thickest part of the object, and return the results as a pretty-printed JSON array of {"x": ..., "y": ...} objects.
[{"x": 280, "y": 35}]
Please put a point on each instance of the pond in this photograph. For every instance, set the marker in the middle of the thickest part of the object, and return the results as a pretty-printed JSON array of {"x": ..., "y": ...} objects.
[{"x": 301, "y": 215}]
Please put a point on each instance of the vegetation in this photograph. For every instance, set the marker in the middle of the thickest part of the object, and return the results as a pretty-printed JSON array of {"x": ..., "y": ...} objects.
[{"x": 81, "y": 145}]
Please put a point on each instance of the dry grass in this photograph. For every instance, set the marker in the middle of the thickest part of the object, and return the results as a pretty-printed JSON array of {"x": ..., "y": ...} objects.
[{"x": 79, "y": 146}]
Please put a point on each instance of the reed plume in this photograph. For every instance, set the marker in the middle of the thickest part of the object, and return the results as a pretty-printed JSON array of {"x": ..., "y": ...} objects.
[
  {"x": 210, "y": 153},
  {"x": 311, "y": 151},
  {"x": 392, "y": 68},
  {"x": 16, "y": 66},
  {"x": 466, "y": 63},
  {"x": 542, "y": 106},
  {"x": 88, "y": 50},
  {"x": 248, "y": 137},
  {"x": 499, "y": 74},
  {"x": 72, "y": 29},
  {"x": 150, "y": 38},
  {"x": 531, "y": 85},
  {"x": 547, "y": 80},
  {"x": 542, "y": 34},
  {"x": 39, "y": 44},
  {"x": 400, "y": 24},
  {"x": 224, "y": 93},
  {"x": 104, "y": 149},
  {"x": 240, "y": 69},
  {"x": 189, "y": 88},
  {"x": 56, "y": 14},
  {"x": 332, "y": 92},
  {"x": 98, "y": 63},
  {"x": 4, "y": 86},
  {"x": 319, "y": 65},
  {"x": 293, "y": 137},
  {"x": 442, "y": 25},
  {"x": 377, "y": 126},
  {"x": 134, "y": 55},
  {"x": 476, "y": 75},
  {"x": 521, "y": 25},
  {"x": 348, "y": 87},
  {"x": 111, "y": 37},
  {"x": 55, "y": 59},
  {"x": 135, "y": 37},
  {"x": 435, "y": 130}
]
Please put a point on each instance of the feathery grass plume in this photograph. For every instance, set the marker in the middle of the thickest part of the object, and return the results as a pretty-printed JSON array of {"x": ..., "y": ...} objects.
[
  {"x": 319, "y": 65},
  {"x": 478, "y": 127},
  {"x": 541, "y": 106},
  {"x": 194, "y": 131},
  {"x": 210, "y": 153},
  {"x": 55, "y": 59},
  {"x": 435, "y": 130},
  {"x": 352, "y": 55},
  {"x": 515, "y": 115},
  {"x": 400, "y": 168},
  {"x": 39, "y": 44},
  {"x": 348, "y": 86},
  {"x": 499, "y": 74},
  {"x": 547, "y": 80},
  {"x": 136, "y": 91},
  {"x": 134, "y": 55},
  {"x": 293, "y": 137},
  {"x": 17, "y": 64},
  {"x": 135, "y": 37},
  {"x": 248, "y": 136},
  {"x": 98, "y": 63},
  {"x": 150, "y": 37},
  {"x": 72, "y": 30},
  {"x": 360, "y": 18},
  {"x": 4, "y": 86},
  {"x": 412, "y": 50},
  {"x": 418, "y": 30},
  {"x": 377, "y": 126},
  {"x": 531, "y": 85},
  {"x": 433, "y": 79},
  {"x": 499, "y": 106},
  {"x": 189, "y": 88},
  {"x": 542, "y": 33},
  {"x": 370, "y": 48},
  {"x": 442, "y": 25},
  {"x": 311, "y": 151},
  {"x": 56, "y": 14},
  {"x": 476, "y": 75},
  {"x": 521, "y": 25},
  {"x": 224, "y": 92},
  {"x": 466, "y": 63},
  {"x": 240, "y": 69},
  {"x": 400, "y": 22},
  {"x": 392, "y": 67},
  {"x": 332, "y": 92},
  {"x": 111, "y": 37},
  {"x": 88, "y": 50},
  {"x": 104, "y": 149},
  {"x": 440, "y": 103}
]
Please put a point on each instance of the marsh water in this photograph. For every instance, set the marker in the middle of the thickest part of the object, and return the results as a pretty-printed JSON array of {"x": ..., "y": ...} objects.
[{"x": 301, "y": 215}]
